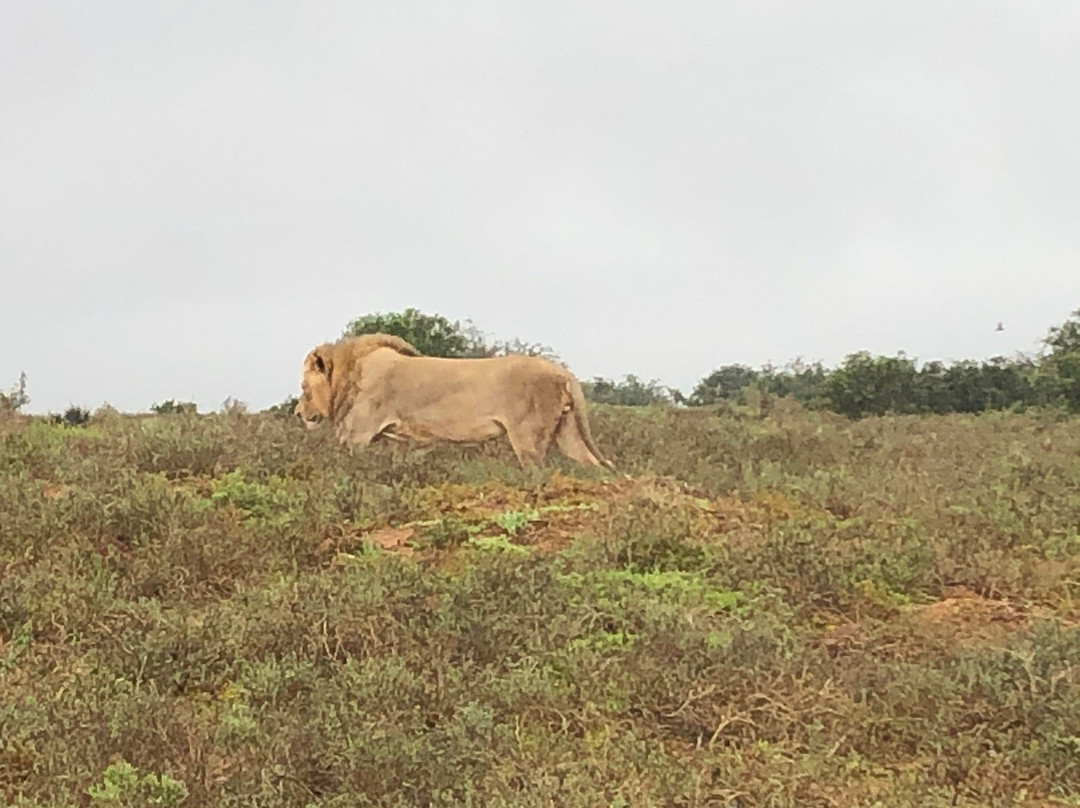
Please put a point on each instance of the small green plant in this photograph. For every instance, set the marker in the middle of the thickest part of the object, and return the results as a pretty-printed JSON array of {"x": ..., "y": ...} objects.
[
  {"x": 498, "y": 544},
  {"x": 604, "y": 640},
  {"x": 124, "y": 786},
  {"x": 449, "y": 531},
  {"x": 513, "y": 521},
  {"x": 256, "y": 499}
]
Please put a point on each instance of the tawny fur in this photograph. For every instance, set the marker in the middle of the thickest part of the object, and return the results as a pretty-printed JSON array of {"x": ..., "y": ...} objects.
[{"x": 378, "y": 384}]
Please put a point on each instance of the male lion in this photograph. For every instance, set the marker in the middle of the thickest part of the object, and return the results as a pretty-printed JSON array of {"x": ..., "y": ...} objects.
[{"x": 378, "y": 384}]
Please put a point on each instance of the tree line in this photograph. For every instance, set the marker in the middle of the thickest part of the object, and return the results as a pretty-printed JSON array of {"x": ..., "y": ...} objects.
[{"x": 863, "y": 384}]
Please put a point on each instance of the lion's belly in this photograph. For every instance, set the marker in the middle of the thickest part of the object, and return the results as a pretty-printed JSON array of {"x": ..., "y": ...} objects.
[{"x": 421, "y": 429}]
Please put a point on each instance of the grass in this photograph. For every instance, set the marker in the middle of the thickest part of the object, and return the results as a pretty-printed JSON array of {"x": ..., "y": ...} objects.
[{"x": 780, "y": 610}]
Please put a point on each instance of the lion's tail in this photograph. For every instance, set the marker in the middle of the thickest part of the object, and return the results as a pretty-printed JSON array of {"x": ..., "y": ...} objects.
[{"x": 578, "y": 400}]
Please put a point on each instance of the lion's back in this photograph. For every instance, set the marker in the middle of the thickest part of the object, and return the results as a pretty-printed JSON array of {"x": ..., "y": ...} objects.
[{"x": 465, "y": 388}]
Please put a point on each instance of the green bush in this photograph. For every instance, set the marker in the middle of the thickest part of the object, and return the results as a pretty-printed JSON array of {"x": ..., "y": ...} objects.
[
  {"x": 435, "y": 335},
  {"x": 124, "y": 785},
  {"x": 431, "y": 334},
  {"x": 724, "y": 384},
  {"x": 1059, "y": 373},
  {"x": 630, "y": 392},
  {"x": 73, "y": 416},
  {"x": 171, "y": 407}
]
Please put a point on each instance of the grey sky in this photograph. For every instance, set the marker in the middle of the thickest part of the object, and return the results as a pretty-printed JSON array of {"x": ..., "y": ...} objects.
[{"x": 193, "y": 194}]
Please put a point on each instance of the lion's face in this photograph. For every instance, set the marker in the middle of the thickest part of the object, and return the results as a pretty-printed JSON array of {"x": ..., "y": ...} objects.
[{"x": 314, "y": 404}]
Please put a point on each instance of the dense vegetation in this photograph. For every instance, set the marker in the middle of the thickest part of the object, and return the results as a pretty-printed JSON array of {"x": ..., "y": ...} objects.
[
  {"x": 875, "y": 385},
  {"x": 775, "y": 607}
]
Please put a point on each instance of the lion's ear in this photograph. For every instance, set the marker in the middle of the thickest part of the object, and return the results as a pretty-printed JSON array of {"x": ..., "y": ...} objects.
[{"x": 322, "y": 362}]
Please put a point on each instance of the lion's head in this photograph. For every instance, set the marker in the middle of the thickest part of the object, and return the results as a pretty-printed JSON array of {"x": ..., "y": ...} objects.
[
  {"x": 314, "y": 403},
  {"x": 331, "y": 372}
]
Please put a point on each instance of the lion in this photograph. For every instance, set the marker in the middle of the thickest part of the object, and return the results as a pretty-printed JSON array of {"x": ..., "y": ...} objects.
[{"x": 378, "y": 385}]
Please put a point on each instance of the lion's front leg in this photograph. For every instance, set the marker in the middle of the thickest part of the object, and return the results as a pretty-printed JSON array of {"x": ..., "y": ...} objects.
[{"x": 360, "y": 425}]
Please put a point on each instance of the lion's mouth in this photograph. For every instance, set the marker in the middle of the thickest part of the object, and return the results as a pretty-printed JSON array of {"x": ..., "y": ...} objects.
[{"x": 313, "y": 421}]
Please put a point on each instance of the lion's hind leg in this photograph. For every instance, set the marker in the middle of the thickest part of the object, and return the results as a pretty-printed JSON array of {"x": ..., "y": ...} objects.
[
  {"x": 571, "y": 444},
  {"x": 528, "y": 450},
  {"x": 531, "y": 440},
  {"x": 540, "y": 411}
]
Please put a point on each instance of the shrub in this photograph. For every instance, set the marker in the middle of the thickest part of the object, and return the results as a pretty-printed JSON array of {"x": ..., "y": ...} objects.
[
  {"x": 431, "y": 334},
  {"x": 284, "y": 409},
  {"x": 75, "y": 416},
  {"x": 171, "y": 407},
  {"x": 233, "y": 407},
  {"x": 434, "y": 335},
  {"x": 16, "y": 398},
  {"x": 124, "y": 785},
  {"x": 630, "y": 392},
  {"x": 723, "y": 384},
  {"x": 1059, "y": 373}
]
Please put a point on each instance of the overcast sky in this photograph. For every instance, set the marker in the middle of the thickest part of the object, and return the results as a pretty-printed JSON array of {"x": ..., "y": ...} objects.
[{"x": 194, "y": 194}]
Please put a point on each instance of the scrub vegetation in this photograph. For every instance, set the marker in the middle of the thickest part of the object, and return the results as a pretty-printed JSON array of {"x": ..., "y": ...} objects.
[{"x": 769, "y": 606}]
